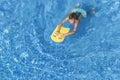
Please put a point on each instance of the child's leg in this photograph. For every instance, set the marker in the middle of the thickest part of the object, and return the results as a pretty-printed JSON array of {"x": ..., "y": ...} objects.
[
  {"x": 91, "y": 11},
  {"x": 76, "y": 6}
]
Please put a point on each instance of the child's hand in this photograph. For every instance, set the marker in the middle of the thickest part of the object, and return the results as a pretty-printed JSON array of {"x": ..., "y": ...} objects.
[
  {"x": 57, "y": 32},
  {"x": 63, "y": 35}
]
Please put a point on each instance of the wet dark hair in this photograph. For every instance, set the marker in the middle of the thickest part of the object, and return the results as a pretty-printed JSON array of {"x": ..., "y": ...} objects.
[{"x": 72, "y": 16}]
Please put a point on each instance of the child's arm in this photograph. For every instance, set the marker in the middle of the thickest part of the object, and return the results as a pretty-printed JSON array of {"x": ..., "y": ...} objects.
[
  {"x": 60, "y": 24},
  {"x": 74, "y": 30}
]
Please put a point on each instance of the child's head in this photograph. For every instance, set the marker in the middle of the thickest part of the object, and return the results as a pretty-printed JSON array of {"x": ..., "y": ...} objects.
[{"x": 72, "y": 17}]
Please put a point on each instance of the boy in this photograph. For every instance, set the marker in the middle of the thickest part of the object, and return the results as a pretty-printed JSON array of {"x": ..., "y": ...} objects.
[{"x": 74, "y": 17}]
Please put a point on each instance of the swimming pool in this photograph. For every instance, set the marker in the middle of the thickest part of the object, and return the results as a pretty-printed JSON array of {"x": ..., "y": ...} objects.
[{"x": 28, "y": 53}]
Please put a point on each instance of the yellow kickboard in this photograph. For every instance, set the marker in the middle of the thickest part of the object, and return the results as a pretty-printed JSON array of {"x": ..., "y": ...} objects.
[{"x": 58, "y": 38}]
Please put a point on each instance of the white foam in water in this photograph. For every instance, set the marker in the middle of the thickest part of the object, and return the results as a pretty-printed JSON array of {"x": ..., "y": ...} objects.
[
  {"x": 7, "y": 64},
  {"x": 24, "y": 55},
  {"x": 115, "y": 17},
  {"x": 1, "y": 14},
  {"x": 7, "y": 41},
  {"x": 6, "y": 31},
  {"x": 117, "y": 3},
  {"x": 0, "y": 49},
  {"x": 33, "y": 61},
  {"x": 15, "y": 59},
  {"x": 18, "y": 46},
  {"x": 104, "y": 1},
  {"x": 115, "y": 6}
]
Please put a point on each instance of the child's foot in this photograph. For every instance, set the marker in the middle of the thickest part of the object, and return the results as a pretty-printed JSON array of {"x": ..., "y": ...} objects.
[
  {"x": 92, "y": 10},
  {"x": 77, "y": 5}
]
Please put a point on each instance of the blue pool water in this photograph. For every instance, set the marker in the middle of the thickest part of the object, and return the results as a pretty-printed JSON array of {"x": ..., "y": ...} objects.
[{"x": 28, "y": 53}]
